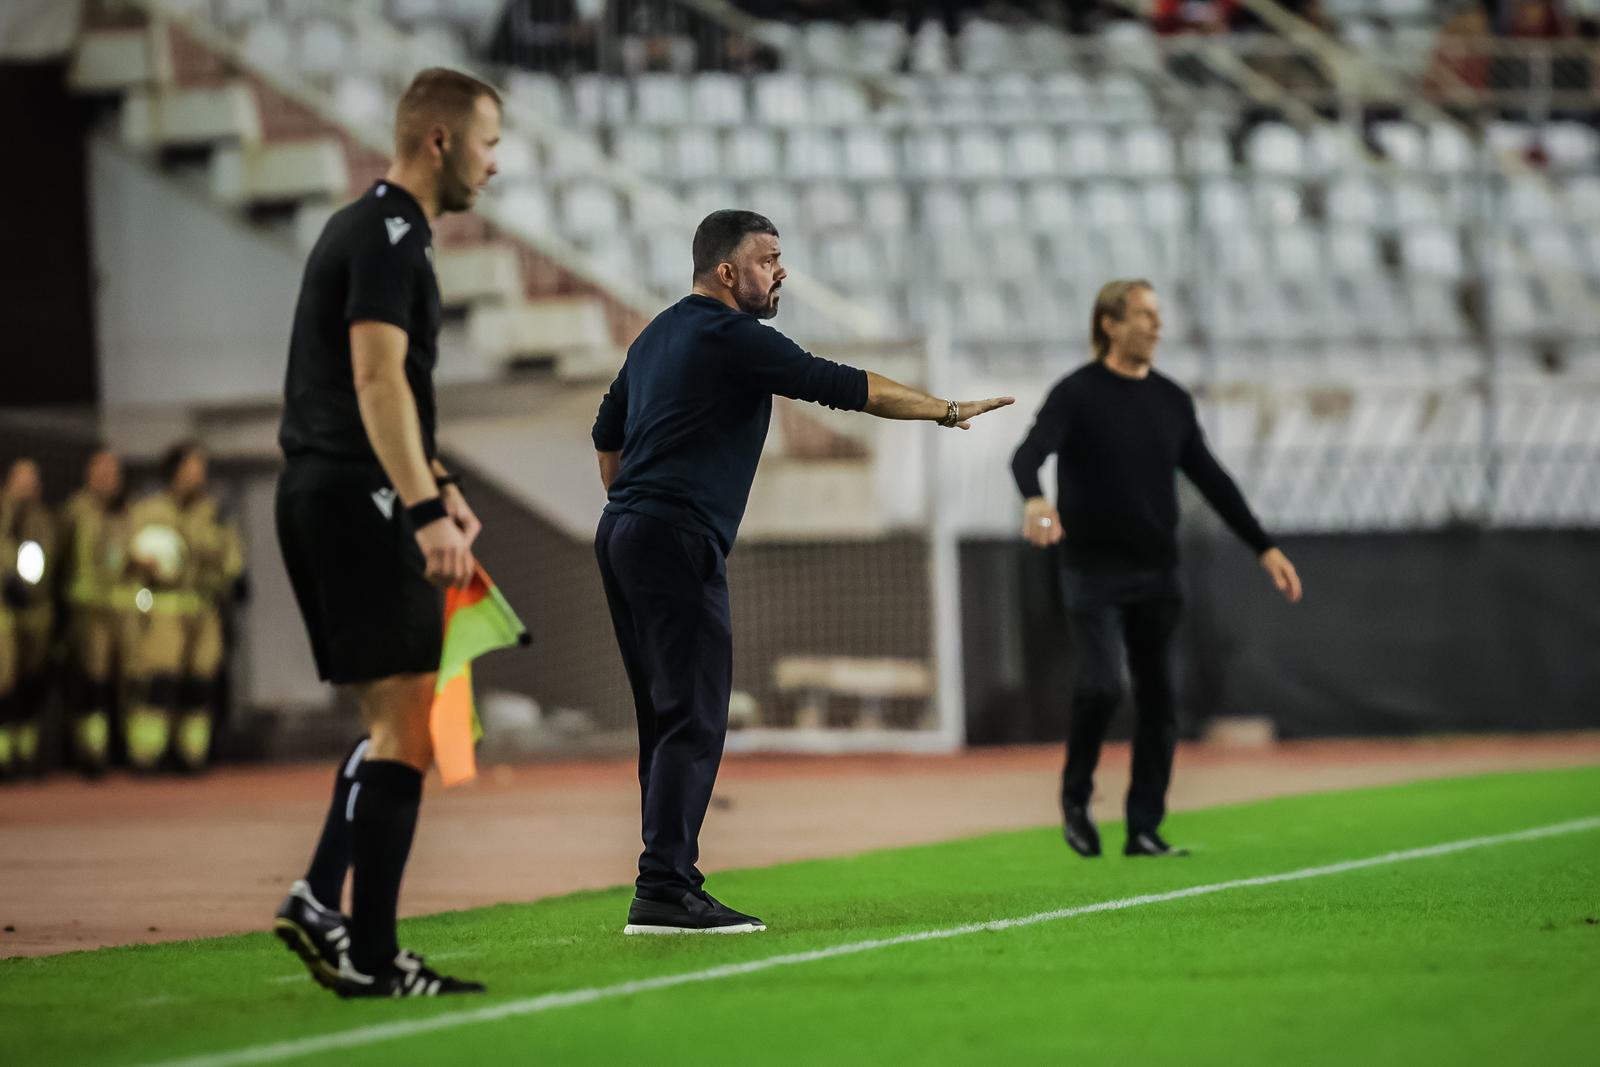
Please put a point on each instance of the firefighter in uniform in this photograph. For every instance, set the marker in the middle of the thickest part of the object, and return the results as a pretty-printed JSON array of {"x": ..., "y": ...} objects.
[
  {"x": 27, "y": 545},
  {"x": 187, "y": 560},
  {"x": 99, "y": 603}
]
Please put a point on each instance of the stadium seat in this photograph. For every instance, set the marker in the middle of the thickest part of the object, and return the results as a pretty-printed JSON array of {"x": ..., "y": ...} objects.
[
  {"x": 944, "y": 209},
  {"x": 880, "y": 46},
  {"x": 599, "y": 99},
  {"x": 927, "y": 154},
  {"x": 781, "y": 99},
  {"x": 837, "y": 101},
  {"x": 998, "y": 205},
  {"x": 1432, "y": 251},
  {"x": 694, "y": 153},
  {"x": 1050, "y": 204},
  {"x": 886, "y": 208},
  {"x": 978, "y": 154},
  {"x": 529, "y": 206},
  {"x": 1148, "y": 151},
  {"x": 661, "y": 100},
  {"x": 1275, "y": 148},
  {"x": 1110, "y": 203},
  {"x": 1206, "y": 152},
  {"x": 1223, "y": 204},
  {"x": 717, "y": 99},
  {"x": 588, "y": 209},
  {"x": 829, "y": 206},
  {"x": 1403, "y": 143},
  {"x": 1450, "y": 150},
  {"x": 812, "y": 152},
  {"x": 641, "y": 150},
  {"x": 1090, "y": 151},
  {"x": 868, "y": 154},
  {"x": 751, "y": 152},
  {"x": 1030, "y": 152},
  {"x": 516, "y": 157}
]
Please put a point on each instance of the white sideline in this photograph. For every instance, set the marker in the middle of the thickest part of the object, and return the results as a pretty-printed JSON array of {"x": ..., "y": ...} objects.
[{"x": 367, "y": 1035}]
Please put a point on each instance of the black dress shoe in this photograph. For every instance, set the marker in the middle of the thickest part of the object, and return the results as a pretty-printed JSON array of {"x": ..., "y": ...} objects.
[
  {"x": 694, "y": 912},
  {"x": 1080, "y": 831},
  {"x": 1149, "y": 843}
]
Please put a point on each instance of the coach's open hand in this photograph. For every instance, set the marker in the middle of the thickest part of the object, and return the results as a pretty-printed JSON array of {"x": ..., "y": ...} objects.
[
  {"x": 447, "y": 552},
  {"x": 1276, "y": 564},
  {"x": 971, "y": 409},
  {"x": 455, "y": 505},
  {"x": 1040, "y": 523}
]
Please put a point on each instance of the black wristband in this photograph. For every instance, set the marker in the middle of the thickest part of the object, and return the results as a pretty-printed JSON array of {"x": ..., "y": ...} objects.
[
  {"x": 426, "y": 511},
  {"x": 447, "y": 479}
]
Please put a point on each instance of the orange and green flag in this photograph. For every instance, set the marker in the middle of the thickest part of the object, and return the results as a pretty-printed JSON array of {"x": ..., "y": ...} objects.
[{"x": 477, "y": 619}]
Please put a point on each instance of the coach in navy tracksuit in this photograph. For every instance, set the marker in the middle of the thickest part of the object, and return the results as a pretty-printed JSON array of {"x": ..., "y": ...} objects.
[{"x": 679, "y": 435}]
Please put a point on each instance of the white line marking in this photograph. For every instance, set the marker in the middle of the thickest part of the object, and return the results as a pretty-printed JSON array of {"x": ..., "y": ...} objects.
[{"x": 368, "y": 1035}]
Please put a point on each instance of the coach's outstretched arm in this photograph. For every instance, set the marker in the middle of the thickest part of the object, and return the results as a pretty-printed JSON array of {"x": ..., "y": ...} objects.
[
  {"x": 888, "y": 399},
  {"x": 389, "y": 415}
]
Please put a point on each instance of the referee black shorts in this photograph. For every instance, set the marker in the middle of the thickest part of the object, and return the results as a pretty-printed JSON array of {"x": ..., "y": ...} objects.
[{"x": 357, "y": 572}]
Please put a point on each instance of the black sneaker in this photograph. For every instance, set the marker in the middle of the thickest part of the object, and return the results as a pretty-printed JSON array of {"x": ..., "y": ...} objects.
[
  {"x": 320, "y": 937},
  {"x": 698, "y": 912},
  {"x": 1080, "y": 831},
  {"x": 1149, "y": 843},
  {"x": 408, "y": 976}
]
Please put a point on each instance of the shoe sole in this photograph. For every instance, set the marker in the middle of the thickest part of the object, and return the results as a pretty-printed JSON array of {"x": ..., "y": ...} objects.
[
  {"x": 737, "y": 928},
  {"x": 298, "y": 941}
]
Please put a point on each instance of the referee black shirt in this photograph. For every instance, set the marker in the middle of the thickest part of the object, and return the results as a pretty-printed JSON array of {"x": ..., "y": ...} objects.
[
  {"x": 1119, "y": 443},
  {"x": 373, "y": 262},
  {"x": 690, "y": 408}
]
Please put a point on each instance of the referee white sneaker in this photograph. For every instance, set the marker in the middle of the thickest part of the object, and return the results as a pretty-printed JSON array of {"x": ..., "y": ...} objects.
[{"x": 697, "y": 912}]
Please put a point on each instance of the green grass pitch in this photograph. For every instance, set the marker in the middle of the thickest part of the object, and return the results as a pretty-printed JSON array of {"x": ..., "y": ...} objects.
[{"x": 1487, "y": 955}]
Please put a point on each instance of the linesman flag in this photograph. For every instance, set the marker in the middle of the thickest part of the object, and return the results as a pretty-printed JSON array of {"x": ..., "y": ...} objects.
[{"x": 477, "y": 619}]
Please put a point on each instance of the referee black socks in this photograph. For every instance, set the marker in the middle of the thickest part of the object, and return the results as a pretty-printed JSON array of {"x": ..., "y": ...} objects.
[
  {"x": 384, "y": 801},
  {"x": 331, "y": 861}
]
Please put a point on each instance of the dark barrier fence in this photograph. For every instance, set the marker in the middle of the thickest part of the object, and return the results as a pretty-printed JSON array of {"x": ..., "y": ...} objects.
[{"x": 1406, "y": 633}]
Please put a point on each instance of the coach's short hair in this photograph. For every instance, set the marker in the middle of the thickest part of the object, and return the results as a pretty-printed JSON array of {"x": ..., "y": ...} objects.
[
  {"x": 436, "y": 96},
  {"x": 1112, "y": 300},
  {"x": 720, "y": 232}
]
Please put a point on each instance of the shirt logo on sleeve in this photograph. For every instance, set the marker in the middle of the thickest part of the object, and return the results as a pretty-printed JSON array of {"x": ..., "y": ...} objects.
[{"x": 398, "y": 228}]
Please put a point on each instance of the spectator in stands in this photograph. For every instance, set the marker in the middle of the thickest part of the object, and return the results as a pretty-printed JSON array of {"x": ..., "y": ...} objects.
[
  {"x": 99, "y": 604},
  {"x": 1120, "y": 432},
  {"x": 27, "y": 551},
  {"x": 187, "y": 559},
  {"x": 1172, "y": 17},
  {"x": 1529, "y": 22},
  {"x": 1458, "y": 72}
]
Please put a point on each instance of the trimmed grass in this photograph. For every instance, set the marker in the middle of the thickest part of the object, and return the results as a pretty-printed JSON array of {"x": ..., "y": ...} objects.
[{"x": 1489, "y": 955}]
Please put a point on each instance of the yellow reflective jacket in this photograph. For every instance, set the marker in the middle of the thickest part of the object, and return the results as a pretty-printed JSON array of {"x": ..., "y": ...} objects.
[{"x": 186, "y": 557}]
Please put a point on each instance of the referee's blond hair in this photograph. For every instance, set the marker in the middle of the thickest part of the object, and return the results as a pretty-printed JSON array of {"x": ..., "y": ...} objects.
[
  {"x": 437, "y": 96},
  {"x": 1112, "y": 300}
]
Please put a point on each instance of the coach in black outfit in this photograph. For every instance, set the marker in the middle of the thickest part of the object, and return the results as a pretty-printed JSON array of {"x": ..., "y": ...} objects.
[
  {"x": 679, "y": 435},
  {"x": 1120, "y": 432},
  {"x": 371, "y": 524}
]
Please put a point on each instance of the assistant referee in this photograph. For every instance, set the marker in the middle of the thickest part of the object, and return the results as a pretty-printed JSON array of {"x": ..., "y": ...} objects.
[
  {"x": 679, "y": 435},
  {"x": 1120, "y": 431},
  {"x": 371, "y": 525}
]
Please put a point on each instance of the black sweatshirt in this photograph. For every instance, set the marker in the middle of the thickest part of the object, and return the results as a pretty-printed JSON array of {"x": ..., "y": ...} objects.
[
  {"x": 1119, "y": 443},
  {"x": 690, "y": 407}
]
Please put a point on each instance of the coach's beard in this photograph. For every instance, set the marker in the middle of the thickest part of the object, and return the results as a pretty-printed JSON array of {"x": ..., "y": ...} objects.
[{"x": 762, "y": 306}]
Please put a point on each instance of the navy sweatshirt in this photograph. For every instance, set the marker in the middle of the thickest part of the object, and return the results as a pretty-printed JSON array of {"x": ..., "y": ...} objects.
[
  {"x": 690, "y": 407},
  {"x": 1119, "y": 443}
]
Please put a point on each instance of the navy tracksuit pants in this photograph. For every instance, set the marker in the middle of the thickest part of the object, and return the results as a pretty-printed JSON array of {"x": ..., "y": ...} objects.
[{"x": 668, "y": 593}]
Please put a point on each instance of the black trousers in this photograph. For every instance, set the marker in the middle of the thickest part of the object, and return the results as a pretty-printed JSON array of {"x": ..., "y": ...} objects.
[
  {"x": 668, "y": 593},
  {"x": 1112, "y": 615}
]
